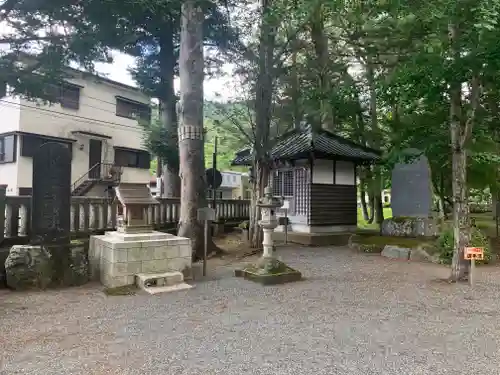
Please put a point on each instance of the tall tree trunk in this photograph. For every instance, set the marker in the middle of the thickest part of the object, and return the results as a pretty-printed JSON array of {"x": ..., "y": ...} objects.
[
  {"x": 364, "y": 205},
  {"x": 375, "y": 139},
  {"x": 297, "y": 115},
  {"x": 371, "y": 201},
  {"x": 168, "y": 101},
  {"x": 192, "y": 164},
  {"x": 460, "y": 131},
  {"x": 320, "y": 42},
  {"x": 263, "y": 105},
  {"x": 461, "y": 225},
  {"x": 494, "y": 200}
]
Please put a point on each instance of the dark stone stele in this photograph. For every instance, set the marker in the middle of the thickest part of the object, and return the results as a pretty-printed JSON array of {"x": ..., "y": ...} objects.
[
  {"x": 411, "y": 189},
  {"x": 51, "y": 215},
  {"x": 51, "y": 198}
]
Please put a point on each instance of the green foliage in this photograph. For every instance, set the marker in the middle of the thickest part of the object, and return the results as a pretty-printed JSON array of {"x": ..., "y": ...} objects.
[
  {"x": 162, "y": 142},
  {"x": 445, "y": 245},
  {"x": 244, "y": 225},
  {"x": 220, "y": 119}
]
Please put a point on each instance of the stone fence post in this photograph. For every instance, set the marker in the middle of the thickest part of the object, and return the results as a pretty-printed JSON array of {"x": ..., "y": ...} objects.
[{"x": 3, "y": 190}]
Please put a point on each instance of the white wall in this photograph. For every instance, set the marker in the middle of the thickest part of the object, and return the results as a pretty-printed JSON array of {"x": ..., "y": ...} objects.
[
  {"x": 97, "y": 114},
  {"x": 345, "y": 173},
  {"x": 231, "y": 179},
  {"x": 322, "y": 172},
  {"x": 8, "y": 176},
  {"x": 10, "y": 112}
]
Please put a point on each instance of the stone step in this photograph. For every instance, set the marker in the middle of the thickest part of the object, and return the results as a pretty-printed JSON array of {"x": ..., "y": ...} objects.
[{"x": 154, "y": 283}]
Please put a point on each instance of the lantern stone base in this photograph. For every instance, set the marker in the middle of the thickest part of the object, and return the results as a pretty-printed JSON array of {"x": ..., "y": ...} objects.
[
  {"x": 269, "y": 271},
  {"x": 116, "y": 258}
]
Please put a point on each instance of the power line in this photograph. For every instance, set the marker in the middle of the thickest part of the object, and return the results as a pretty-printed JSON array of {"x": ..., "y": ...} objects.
[{"x": 75, "y": 117}]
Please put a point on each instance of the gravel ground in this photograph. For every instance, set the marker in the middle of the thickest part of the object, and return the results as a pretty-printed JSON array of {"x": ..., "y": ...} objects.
[{"x": 355, "y": 314}]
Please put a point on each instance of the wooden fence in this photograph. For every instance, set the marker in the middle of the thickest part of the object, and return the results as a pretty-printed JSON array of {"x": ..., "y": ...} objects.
[{"x": 94, "y": 215}]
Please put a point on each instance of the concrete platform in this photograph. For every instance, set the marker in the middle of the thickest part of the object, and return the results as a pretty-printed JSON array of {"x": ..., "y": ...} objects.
[
  {"x": 313, "y": 239},
  {"x": 154, "y": 283},
  {"x": 115, "y": 258}
]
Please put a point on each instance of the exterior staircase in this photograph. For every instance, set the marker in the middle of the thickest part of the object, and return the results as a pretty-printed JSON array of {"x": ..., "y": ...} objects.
[{"x": 100, "y": 173}]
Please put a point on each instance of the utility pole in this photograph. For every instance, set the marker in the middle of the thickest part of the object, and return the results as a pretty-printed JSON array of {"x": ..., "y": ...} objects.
[{"x": 214, "y": 168}]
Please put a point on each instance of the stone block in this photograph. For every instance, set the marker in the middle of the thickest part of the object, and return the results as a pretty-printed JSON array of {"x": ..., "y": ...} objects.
[
  {"x": 269, "y": 271},
  {"x": 420, "y": 255},
  {"x": 138, "y": 253},
  {"x": 134, "y": 254},
  {"x": 154, "y": 283},
  {"x": 123, "y": 245},
  {"x": 148, "y": 253},
  {"x": 185, "y": 250},
  {"x": 116, "y": 281},
  {"x": 172, "y": 251},
  {"x": 134, "y": 267},
  {"x": 410, "y": 227},
  {"x": 160, "y": 252},
  {"x": 114, "y": 255},
  {"x": 117, "y": 269},
  {"x": 395, "y": 252},
  {"x": 179, "y": 264},
  {"x": 183, "y": 241},
  {"x": 154, "y": 266}
]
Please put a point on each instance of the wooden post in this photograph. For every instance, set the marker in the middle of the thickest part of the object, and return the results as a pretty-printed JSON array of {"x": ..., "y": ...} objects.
[
  {"x": 205, "y": 249},
  {"x": 3, "y": 203}
]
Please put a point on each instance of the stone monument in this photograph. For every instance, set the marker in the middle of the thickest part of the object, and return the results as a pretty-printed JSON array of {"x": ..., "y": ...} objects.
[
  {"x": 411, "y": 198},
  {"x": 135, "y": 253},
  {"x": 269, "y": 270},
  {"x": 51, "y": 258}
]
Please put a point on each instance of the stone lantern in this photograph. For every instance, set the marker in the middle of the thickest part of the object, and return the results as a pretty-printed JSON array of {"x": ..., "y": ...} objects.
[
  {"x": 268, "y": 205},
  {"x": 269, "y": 270}
]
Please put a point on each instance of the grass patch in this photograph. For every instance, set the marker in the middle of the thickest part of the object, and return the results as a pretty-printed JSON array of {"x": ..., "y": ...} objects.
[
  {"x": 375, "y": 244},
  {"x": 127, "y": 290},
  {"x": 364, "y": 225},
  {"x": 395, "y": 241}
]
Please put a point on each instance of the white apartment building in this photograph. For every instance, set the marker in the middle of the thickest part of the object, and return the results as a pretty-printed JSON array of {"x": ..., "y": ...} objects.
[
  {"x": 96, "y": 118},
  {"x": 235, "y": 185}
]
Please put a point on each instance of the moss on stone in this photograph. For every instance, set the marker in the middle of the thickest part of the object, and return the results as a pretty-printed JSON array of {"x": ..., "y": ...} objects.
[
  {"x": 269, "y": 271},
  {"x": 395, "y": 241},
  {"x": 401, "y": 219}
]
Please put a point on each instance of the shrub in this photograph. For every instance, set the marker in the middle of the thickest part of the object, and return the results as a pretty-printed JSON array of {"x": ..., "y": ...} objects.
[
  {"x": 445, "y": 245},
  {"x": 244, "y": 225},
  {"x": 479, "y": 208}
]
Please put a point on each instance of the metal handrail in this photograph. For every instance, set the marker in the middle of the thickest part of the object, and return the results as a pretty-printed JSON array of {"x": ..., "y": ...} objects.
[
  {"x": 108, "y": 172},
  {"x": 83, "y": 177}
]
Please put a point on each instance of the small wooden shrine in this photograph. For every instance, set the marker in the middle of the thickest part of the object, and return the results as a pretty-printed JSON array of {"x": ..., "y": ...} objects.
[
  {"x": 136, "y": 201},
  {"x": 315, "y": 172}
]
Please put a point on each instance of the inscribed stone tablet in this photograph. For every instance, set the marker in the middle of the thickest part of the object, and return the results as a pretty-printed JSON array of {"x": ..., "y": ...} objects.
[
  {"x": 411, "y": 190},
  {"x": 51, "y": 197}
]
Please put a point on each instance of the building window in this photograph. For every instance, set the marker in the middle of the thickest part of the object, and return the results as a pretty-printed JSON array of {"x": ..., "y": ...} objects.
[
  {"x": 210, "y": 194},
  {"x": 31, "y": 143},
  {"x": 132, "y": 158},
  {"x": 133, "y": 110},
  {"x": 69, "y": 96},
  {"x": 8, "y": 149},
  {"x": 283, "y": 183}
]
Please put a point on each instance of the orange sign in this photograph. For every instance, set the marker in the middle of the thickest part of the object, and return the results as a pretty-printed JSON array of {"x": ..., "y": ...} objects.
[{"x": 474, "y": 253}]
